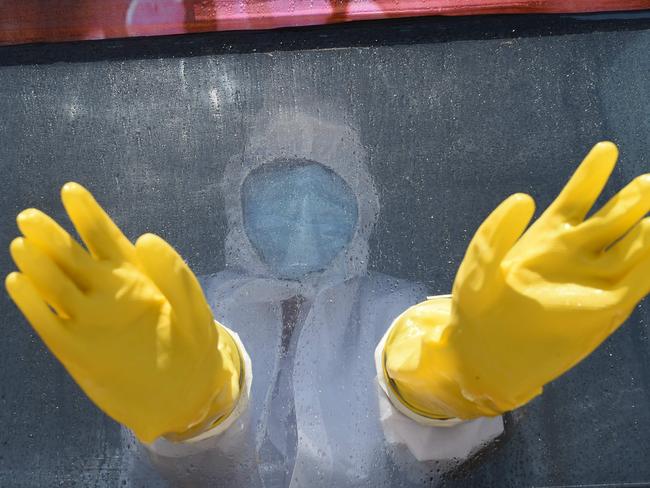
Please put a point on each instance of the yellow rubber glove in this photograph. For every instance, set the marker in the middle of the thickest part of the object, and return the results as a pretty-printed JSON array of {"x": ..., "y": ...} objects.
[
  {"x": 526, "y": 308},
  {"x": 130, "y": 323}
]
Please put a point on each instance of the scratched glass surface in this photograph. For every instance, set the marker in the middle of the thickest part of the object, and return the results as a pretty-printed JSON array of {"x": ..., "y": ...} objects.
[{"x": 414, "y": 131}]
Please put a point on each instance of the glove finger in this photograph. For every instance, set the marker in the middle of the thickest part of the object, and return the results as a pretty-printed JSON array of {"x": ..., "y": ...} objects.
[
  {"x": 618, "y": 215},
  {"x": 44, "y": 321},
  {"x": 492, "y": 241},
  {"x": 174, "y": 278},
  {"x": 53, "y": 240},
  {"x": 54, "y": 286},
  {"x": 102, "y": 237},
  {"x": 580, "y": 193}
]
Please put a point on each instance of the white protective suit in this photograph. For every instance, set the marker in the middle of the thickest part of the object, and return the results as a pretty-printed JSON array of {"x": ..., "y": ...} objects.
[{"x": 337, "y": 438}]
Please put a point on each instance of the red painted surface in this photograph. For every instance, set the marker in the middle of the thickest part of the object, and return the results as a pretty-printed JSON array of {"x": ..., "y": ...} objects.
[{"x": 23, "y": 21}]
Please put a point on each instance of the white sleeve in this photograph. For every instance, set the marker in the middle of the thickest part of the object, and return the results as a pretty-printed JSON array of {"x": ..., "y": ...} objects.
[{"x": 426, "y": 438}]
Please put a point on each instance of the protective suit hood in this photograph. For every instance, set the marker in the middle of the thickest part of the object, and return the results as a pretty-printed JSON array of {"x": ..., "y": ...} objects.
[{"x": 301, "y": 137}]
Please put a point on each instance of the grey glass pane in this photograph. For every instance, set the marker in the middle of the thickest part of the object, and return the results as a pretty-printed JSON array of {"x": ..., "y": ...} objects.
[{"x": 442, "y": 120}]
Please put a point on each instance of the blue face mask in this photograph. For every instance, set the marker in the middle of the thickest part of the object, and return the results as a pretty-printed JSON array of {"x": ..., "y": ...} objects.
[{"x": 298, "y": 215}]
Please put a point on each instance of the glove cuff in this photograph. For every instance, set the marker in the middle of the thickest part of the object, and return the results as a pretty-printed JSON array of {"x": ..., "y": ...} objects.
[
  {"x": 422, "y": 369},
  {"x": 213, "y": 426},
  {"x": 389, "y": 387}
]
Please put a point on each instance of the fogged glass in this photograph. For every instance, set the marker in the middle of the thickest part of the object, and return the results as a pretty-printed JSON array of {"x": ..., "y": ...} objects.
[{"x": 429, "y": 124}]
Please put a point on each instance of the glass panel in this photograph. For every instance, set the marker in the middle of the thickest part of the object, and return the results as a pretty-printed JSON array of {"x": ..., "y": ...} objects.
[{"x": 428, "y": 123}]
